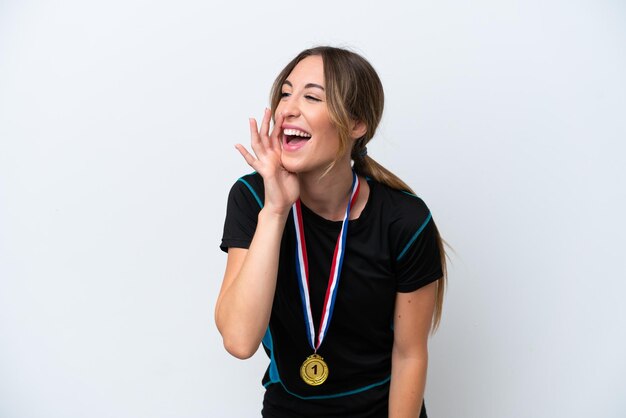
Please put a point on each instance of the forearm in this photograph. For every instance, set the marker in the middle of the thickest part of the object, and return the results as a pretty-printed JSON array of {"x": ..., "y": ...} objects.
[
  {"x": 243, "y": 311},
  {"x": 408, "y": 381}
]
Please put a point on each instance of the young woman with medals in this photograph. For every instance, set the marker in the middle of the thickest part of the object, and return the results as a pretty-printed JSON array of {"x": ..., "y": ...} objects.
[{"x": 334, "y": 265}]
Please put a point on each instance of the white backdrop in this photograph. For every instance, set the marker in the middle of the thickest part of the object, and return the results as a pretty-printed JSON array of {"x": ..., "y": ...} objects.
[{"x": 117, "y": 126}]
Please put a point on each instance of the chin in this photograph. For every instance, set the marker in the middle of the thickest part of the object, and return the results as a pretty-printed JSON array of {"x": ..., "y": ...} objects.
[
  {"x": 293, "y": 164},
  {"x": 300, "y": 165}
]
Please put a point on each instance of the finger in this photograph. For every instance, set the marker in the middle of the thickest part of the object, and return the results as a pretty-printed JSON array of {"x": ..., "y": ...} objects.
[
  {"x": 256, "y": 141},
  {"x": 246, "y": 155},
  {"x": 254, "y": 131},
  {"x": 277, "y": 130},
  {"x": 265, "y": 124}
]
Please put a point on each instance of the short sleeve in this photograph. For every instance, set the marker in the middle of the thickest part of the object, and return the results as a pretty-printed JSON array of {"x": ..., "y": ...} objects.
[
  {"x": 417, "y": 255},
  {"x": 245, "y": 201}
]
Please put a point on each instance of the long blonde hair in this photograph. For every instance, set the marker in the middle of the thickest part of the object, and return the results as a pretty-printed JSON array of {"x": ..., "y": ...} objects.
[{"x": 354, "y": 93}]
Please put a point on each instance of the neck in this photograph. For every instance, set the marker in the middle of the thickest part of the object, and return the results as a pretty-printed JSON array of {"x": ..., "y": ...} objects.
[{"x": 327, "y": 196}]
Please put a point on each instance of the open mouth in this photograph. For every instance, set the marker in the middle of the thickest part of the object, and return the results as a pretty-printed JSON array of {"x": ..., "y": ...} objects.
[{"x": 295, "y": 137}]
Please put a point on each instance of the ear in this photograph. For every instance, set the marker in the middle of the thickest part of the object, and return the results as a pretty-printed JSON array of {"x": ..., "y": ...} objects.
[{"x": 358, "y": 129}]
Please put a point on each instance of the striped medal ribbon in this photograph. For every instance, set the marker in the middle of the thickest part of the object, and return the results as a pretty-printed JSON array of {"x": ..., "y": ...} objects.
[{"x": 314, "y": 370}]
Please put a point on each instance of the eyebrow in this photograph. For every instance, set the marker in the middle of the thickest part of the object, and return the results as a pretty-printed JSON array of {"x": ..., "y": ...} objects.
[{"x": 308, "y": 85}]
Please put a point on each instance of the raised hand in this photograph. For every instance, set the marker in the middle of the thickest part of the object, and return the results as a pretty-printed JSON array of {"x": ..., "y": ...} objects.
[{"x": 281, "y": 186}]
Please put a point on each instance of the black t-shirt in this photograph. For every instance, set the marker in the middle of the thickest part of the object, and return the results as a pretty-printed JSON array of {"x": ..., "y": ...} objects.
[{"x": 390, "y": 248}]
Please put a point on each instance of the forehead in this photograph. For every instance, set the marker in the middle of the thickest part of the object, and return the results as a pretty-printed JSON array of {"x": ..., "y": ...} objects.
[{"x": 309, "y": 70}]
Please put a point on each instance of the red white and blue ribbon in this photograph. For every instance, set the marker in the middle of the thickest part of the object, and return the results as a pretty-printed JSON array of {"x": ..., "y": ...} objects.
[{"x": 302, "y": 268}]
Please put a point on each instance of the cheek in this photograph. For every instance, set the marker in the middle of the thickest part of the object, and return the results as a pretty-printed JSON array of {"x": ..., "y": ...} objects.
[{"x": 324, "y": 123}]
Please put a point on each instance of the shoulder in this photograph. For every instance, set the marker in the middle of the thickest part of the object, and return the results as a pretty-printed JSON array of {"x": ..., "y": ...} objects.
[
  {"x": 245, "y": 201},
  {"x": 407, "y": 218},
  {"x": 403, "y": 210},
  {"x": 249, "y": 187}
]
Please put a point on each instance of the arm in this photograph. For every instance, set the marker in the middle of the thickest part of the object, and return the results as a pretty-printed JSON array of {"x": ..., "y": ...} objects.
[
  {"x": 412, "y": 321},
  {"x": 244, "y": 304}
]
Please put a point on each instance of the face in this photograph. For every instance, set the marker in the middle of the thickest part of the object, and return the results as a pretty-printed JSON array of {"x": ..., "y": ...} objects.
[{"x": 310, "y": 140}]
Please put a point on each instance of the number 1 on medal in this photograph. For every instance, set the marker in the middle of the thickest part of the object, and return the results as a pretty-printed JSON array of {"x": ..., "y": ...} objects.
[{"x": 314, "y": 370}]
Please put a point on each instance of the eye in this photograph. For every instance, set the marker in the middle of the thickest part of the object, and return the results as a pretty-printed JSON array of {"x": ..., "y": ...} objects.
[
  {"x": 315, "y": 99},
  {"x": 284, "y": 94}
]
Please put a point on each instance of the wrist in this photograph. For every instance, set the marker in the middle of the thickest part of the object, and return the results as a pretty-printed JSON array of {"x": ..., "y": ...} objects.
[{"x": 270, "y": 214}]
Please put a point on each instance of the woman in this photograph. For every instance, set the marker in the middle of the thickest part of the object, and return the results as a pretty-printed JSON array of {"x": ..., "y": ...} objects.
[{"x": 333, "y": 264}]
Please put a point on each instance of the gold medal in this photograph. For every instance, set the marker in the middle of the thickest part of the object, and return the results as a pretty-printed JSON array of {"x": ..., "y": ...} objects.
[{"x": 314, "y": 370}]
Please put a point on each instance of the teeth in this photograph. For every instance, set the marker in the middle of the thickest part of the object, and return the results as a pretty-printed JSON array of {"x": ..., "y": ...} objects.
[{"x": 295, "y": 132}]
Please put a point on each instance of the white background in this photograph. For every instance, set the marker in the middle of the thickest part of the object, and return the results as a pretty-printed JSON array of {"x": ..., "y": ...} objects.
[{"x": 117, "y": 126}]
